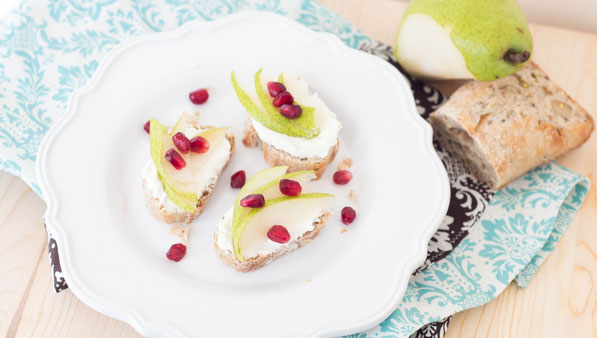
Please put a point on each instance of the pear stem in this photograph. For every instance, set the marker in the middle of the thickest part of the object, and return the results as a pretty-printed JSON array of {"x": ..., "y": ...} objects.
[{"x": 515, "y": 57}]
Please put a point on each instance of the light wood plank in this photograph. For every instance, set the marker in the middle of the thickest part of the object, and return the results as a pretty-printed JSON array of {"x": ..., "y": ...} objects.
[
  {"x": 22, "y": 242},
  {"x": 48, "y": 314}
]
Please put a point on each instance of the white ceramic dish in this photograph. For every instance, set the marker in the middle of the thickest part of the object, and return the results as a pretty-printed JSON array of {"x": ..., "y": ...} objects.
[{"x": 113, "y": 252}]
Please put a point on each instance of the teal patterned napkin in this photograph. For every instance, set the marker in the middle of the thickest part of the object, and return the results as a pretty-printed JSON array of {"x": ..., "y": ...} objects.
[{"x": 48, "y": 48}]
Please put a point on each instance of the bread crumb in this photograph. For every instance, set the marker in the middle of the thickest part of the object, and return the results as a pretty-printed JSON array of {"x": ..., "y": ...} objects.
[
  {"x": 343, "y": 231},
  {"x": 309, "y": 280},
  {"x": 180, "y": 230},
  {"x": 353, "y": 195},
  {"x": 346, "y": 163}
]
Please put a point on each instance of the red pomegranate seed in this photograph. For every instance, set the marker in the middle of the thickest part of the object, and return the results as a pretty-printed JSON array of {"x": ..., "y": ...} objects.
[
  {"x": 237, "y": 180},
  {"x": 282, "y": 98},
  {"x": 199, "y": 96},
  {"x": 342, "y": 177},
  {"x": 176, "y": 252},
  {"x": 278, "y": 234},
  {"x": 253, "y": 201},
  {"x": 348, "y": 215},
  {"x": 199, "y": 144},
  {"x": 291, "y": 111},
  {"x": 146, "y": 126},
  {"x": 181, "y": 142},
  {"x": 275, "y": 88},
  {"x": 177, "y": 161},
  {"x": 290, "y": 187}
]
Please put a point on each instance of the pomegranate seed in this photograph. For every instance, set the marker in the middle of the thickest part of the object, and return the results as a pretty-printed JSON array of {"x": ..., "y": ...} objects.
[
  {"x": 237, "y": 180},
  {"x": 177, "y": 161},
  {"x": 275, "y": 88},
  {"x": 291, "y": 111},
  {"x": 290, "y": 187},
  {"x": 199, "y": 96},
  {"x": 348, "y": 215},
  {"x": 342, "y": 177},
  {"x": 253, "y": 201},
  {"x": 199, "y": 144},
  {"x": 181, "y": 142},
  {"x": 283, "y": 98},
  {"x": 278, "y": 234},
  {"x": 176, "y": 252},
  {"x": 146, "y": 126}
]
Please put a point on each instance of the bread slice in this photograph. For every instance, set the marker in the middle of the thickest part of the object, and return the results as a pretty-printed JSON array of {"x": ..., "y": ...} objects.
[
  {"x": 276, "y": 157},
  {"x": 257, "y": 262},
  {"x": 503, "y": 128},
  {"x": 159, "y": 211}
]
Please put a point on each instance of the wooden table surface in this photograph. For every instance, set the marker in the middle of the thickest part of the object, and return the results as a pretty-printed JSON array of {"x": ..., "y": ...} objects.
[{"x": 561, "y": 301}]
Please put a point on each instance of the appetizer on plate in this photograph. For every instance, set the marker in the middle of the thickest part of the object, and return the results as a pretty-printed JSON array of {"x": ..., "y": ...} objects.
[
  {"x": 187, "y": 161},
  {"x": 291, "y": 123},
  {"x": 272, "y": 216}
]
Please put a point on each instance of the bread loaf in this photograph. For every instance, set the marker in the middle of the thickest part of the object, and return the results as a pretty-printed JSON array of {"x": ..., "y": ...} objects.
[{"x": 503, "y": 128}]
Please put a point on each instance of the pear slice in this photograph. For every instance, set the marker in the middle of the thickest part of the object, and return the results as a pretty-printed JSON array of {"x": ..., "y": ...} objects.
[
  {"x": 305, "y": 121},
  {"x": 258, "y": 180},
  {"x": 160, "y": 142},
  {"x": 271, "y": 190},
  {"x": 184, "y": 186},
  {"x": 287, "y": 211},
  {"x": 270, "y": 119}
]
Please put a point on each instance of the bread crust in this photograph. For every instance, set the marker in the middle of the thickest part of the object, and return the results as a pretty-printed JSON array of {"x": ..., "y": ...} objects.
[
  {"x": 182, "y": 216},
  {"x": 502, "y": 129},
  {"x": 259, "y": 261},
  {"x": 276, "y": 157}
]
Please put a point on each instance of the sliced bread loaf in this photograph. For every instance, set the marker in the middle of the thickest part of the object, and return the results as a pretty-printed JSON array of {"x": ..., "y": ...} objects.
[{"x": 503, "y": 128}]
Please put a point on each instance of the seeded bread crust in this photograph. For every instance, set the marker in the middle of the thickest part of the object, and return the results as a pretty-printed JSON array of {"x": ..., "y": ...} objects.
[
  {"x": 258, "y": 262},
  {"x": 275, "y": 157},
  {"x": 502, "y": 129},
  {"x": 181, "y": 216}
]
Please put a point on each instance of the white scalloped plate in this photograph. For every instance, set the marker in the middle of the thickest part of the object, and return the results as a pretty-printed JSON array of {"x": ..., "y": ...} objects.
[{"x": 112, "y": 251}]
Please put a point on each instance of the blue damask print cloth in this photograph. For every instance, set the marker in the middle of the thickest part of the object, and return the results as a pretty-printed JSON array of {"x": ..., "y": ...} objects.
[{"x": 48, "y": 48}]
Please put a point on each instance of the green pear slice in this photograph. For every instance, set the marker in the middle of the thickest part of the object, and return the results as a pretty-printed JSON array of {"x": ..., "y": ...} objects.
[
  {"x": 258, "y": 180},
  {"x": 305, "y": 121},
  {"x": 263, "y": 115},
  {"x": 160, "y": 142},
  {"x": 287, "y": 211},
  {"x": 271, "y": 190},
  {"x": 183, "y": 186}
]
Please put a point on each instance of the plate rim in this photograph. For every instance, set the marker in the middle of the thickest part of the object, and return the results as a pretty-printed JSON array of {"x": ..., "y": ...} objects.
[{"x": 138, "y": 321}]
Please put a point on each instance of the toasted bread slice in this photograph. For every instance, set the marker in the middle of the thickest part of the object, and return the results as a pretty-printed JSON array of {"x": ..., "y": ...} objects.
[
  {"x": 178, "y": 215},
  {"x": 275, "y": 157},
  {"x": 257, "y": 262}
]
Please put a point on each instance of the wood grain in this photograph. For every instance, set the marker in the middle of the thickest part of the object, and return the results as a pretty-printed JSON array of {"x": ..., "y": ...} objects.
[{"x": 560, "y": 301}]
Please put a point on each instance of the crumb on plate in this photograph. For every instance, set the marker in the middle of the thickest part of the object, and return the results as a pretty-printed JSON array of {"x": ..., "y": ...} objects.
[
  {"x": 346, "y": 163},
  {"x": 180, "y": 230},
  {"x": 353, "y": 195}
]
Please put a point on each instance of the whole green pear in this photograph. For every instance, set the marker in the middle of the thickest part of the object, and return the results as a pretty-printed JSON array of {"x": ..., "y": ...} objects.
[{"x": 457, "y": 39}]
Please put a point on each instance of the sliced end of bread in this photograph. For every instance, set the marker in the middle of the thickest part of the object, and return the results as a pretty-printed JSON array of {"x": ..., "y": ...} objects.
[
  {"x": 459, "y": 143},
  {"x": 257, "y": 262},
  {"x": 181, "y": 216},
  {"x": 503, "y": 128},
  {"x": 276, "y": 157}
]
